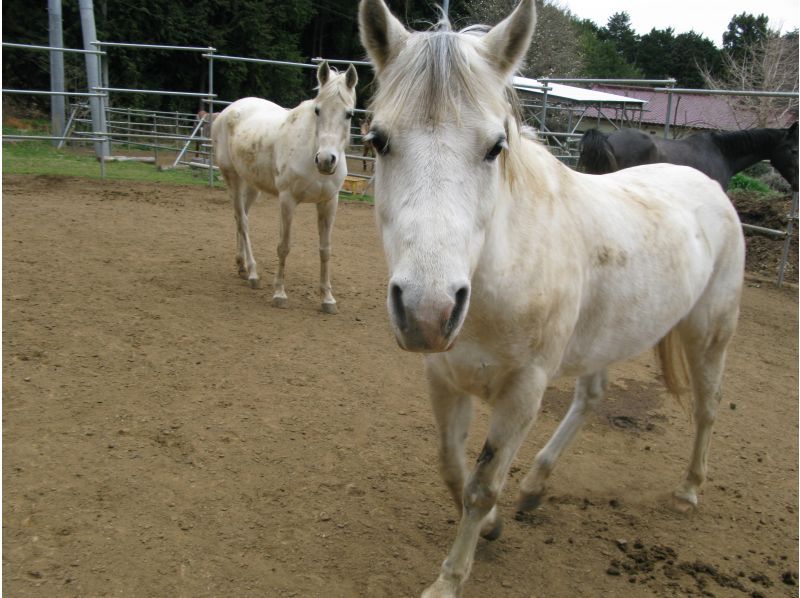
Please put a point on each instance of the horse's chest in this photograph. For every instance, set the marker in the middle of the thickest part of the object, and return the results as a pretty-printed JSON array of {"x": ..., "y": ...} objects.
[
  {"x": 475, "y": 371},
  {"x": 312, "y": 188}
]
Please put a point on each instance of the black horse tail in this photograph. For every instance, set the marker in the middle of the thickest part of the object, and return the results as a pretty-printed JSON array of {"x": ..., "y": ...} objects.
[{"x": 596, "y": 157}]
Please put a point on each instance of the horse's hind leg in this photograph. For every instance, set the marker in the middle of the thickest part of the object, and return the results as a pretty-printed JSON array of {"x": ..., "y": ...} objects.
[
  {"x": 326, "y": 214},
  {"x": 589, "y": 390},
  {"x": 705, "y": 341},
  {"x": 288, "y": 206},
  {"x": 243, "y": 197}
]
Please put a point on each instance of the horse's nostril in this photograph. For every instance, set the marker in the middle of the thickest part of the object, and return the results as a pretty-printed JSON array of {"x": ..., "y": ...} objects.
[
  {"x": 461, "y": 301},
  {"x": 316, "y": 158},
  {"x": 333, "y": 160},
  {"x": 396, "y": 295}
]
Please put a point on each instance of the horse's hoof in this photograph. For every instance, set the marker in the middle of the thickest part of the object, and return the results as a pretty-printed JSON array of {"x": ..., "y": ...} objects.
[
  {"x": 329, "y": 308},
  {"x": 496, "y": 530},
  {"x": 280, "y": 302},
  {"x": 441, "y": 589},
  {"x": 684, "y": 503},
  {"x": 255, "y": 283},
  {"x": 528, "y": 502}
]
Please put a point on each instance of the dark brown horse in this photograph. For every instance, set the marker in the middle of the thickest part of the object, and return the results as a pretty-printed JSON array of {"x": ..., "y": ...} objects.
[{"x": 719, "y": 155}]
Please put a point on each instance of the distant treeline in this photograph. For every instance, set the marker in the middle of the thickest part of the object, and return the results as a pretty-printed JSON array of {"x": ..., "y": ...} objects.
[{"x": 297, "y": 30}]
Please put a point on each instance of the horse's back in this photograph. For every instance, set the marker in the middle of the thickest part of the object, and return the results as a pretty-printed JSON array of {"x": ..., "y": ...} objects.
[
  {"x": 244, "y": 136},
  {"x": 632, "y": 147}
]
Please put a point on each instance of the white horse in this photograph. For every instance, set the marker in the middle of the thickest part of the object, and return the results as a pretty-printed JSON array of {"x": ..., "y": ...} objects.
[
  {"x": 297, "y": 155},
  {"x": 509, "y": 269}
]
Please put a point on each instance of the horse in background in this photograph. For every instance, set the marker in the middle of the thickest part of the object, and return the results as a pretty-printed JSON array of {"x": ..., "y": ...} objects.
[
  {"x": 296, "y": 155},
  {"x": 204, "y": 120},
  {"x": 720, "y": 155},
  {"x": 508, "y": 270},
  {"x": 368, "y": 151}
]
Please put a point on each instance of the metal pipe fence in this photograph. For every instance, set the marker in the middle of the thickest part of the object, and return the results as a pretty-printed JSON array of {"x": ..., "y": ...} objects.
[{"x": 176, "y": 131}]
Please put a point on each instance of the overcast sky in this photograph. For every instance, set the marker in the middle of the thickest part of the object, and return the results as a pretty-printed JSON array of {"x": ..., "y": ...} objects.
[{"x": 707, "y": 17}]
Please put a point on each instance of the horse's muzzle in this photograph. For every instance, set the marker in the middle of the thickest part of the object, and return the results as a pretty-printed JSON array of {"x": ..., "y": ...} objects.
[
  {"x": 326, "y": 162},
  {"x": 427, "y": 326}
]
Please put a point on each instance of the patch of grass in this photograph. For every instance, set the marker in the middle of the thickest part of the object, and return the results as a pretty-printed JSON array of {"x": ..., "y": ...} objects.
[
  {"x": 355, "y": 197},
  {"x": 745, "y": 183},
  {"x": 40, "y": 157}
]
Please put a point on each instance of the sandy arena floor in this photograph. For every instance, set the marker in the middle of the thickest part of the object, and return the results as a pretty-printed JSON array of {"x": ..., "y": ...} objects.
[{"x": 167, "y": 433}]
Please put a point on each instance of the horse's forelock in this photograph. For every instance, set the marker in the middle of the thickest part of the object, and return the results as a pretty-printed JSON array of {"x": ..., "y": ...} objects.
[
  {"x": 336, "y": 85},
  {"x": 434, "y": 75}
]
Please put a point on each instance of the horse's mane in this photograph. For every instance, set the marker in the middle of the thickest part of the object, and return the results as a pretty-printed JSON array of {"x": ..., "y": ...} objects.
[{"x": 738, "y": 143}]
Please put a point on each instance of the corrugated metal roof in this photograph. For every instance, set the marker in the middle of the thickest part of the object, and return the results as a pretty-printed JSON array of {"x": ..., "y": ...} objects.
[
  {"x": 688, "y": 110},
  {"x": 574, "y": 94}
]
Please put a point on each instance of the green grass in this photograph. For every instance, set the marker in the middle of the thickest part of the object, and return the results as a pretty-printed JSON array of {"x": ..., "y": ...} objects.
[
  {"x": 42, "y": 158},
  {"x": 746, "y": 183}
]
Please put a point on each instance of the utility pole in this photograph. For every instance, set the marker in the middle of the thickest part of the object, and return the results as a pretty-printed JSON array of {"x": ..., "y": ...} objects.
[{"x": 57, "y": 112}]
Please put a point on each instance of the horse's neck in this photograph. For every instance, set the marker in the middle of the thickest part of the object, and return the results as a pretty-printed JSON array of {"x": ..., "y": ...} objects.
[
  {"x": 745, "y": 148},
  {"x": 531, "y": 210}
]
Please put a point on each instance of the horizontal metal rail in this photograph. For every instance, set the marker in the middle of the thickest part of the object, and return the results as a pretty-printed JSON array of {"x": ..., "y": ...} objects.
[
  {"x": 188, "y": 94},
  {"x": 153, "y": 47},
  {"x": 152, "y": 135},
  {"x": 651, "y": 82},
  {"x": 336, "y": 61},
  {"x": 765, "y": 232},
  {"x": 729, "y": 92},
  {"x": 258, "y": 61},
  {"x": 38, "y": 92},
  {"x": 51, "y": 48},
  {"x": 52, "y": 138}
]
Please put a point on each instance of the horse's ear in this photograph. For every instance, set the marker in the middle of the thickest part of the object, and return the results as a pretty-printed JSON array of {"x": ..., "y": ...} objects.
[
  {"x": 381, "y": 33},
  {"x": 508, "y": 41},
  {"x": 351, "y": 77},
  {"x": 323, "y": 73}
]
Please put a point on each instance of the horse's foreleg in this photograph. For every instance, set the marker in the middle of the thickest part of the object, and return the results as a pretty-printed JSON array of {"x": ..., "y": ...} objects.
[
  {"x": 326, "y": 214},
  {"x": 288, "y": 206},
  {"x": 589, "y": 390},
  {"x": 513, "y": 413},
  {"x": 453, "y": 412}
]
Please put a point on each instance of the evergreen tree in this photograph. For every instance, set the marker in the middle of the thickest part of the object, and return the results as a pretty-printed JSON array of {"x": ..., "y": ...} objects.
[
  {"x": 619, "y": 31},
  {"x": 745, "y": 32}
]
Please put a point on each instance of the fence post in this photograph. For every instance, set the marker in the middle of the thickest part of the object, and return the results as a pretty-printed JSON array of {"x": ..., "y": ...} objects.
[
  {"x": 210, "y": 115},
  {"x": 788, "y": 241},
  {"x": 92, "y": 70},
  {"x": 57, "y": 112}
]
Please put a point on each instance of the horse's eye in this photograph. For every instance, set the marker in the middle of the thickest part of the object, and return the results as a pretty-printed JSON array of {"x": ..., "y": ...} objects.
[
  {"x": 349, "y": 114},
  {"x": 496, "y": 149},
  {"x": 316, "y": 110},
  {"x": 378, "y": 141}
]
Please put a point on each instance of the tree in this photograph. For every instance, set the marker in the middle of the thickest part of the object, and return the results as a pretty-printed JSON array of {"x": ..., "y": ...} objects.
[
  {"x": 744, "y": 33},
  {"x": 619, "y": 31},
  {"x": 601, "y": 58},
  {"x": 692, "y": 54},
  {"x": 769, "y": 63}
]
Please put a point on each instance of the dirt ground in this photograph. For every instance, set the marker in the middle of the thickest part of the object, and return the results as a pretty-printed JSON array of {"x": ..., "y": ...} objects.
[{"x": 167, "y": 433}]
